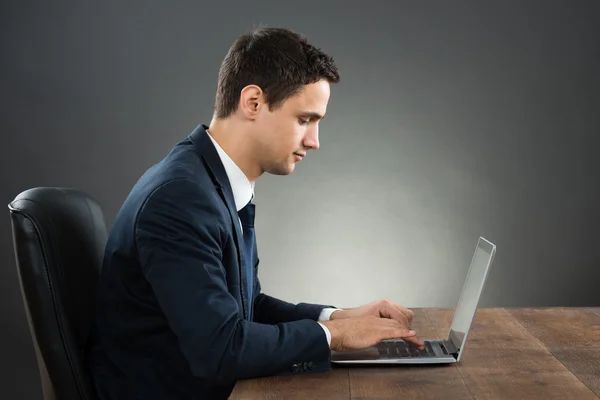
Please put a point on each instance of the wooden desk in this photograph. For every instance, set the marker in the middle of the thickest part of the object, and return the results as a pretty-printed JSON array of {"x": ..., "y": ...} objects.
[{"x": 511, "y": 353}]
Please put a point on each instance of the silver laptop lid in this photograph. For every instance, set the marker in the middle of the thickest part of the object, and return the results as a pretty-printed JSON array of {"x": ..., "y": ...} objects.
[{"x": 471, "y": 292}]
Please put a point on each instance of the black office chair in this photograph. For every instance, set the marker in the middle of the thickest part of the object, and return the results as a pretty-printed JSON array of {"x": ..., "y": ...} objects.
[{"x": 59, "y": 237}]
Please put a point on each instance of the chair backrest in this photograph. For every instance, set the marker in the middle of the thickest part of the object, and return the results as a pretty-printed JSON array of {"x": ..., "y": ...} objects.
[{"x": 59, "y": 236}]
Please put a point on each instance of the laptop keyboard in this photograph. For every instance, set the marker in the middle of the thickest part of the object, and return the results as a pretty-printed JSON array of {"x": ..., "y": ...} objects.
[{"x": 401, "y": 349}]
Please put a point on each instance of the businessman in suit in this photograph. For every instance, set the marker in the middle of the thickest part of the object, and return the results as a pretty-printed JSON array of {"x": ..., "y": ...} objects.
[{"x": 180, "y": 312}]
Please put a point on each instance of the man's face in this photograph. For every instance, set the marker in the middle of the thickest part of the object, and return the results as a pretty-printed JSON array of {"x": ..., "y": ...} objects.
[{"x": 291, "y": 129}]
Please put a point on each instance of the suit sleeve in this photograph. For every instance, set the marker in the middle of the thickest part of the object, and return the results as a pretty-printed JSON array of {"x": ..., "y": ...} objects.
[
  {"x": 179, "y": 242},
  {"x": 270, "y": 310}
]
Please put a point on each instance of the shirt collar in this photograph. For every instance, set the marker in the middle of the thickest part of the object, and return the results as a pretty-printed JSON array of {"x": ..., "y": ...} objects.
[{"x": 243, "y": 190}]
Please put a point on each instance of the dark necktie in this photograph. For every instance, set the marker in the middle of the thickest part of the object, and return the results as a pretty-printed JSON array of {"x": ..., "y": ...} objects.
[{"x": 246, "y": 215}]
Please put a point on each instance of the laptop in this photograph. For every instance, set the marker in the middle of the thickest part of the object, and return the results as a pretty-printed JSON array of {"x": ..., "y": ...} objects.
[{"x": 436, "y": 351}]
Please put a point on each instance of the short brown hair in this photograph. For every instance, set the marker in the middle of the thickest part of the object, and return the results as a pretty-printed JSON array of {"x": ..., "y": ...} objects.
[{"x": 277, "y": 60}]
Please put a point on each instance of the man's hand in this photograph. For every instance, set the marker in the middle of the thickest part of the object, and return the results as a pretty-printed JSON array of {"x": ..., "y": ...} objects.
[
  {"x": 383, "y": 309},
  {"x": 362, "y": 332}
]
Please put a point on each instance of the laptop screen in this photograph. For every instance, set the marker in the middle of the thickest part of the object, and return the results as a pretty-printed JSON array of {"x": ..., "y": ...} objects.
[{"x": 471, "y": 291}]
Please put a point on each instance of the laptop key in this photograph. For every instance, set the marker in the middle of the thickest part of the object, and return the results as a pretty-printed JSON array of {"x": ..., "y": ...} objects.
[
  {"x": 383, "y": 350},
  {"x": 402, "y": 350},
  {"x": 429, "y": 349},
  {"x": 423, "y": 353},
  {"x": 413, "y": 352}
]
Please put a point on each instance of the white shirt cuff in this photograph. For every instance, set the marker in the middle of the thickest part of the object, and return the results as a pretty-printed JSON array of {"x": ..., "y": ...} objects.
[
  {"x": 324, "y": 316},
  {"x": 326, "y": 313},
  {"x": 327, "y": 333}
]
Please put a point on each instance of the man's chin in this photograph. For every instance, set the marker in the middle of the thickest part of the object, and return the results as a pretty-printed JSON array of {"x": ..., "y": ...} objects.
[{"x": 282, "y": 170}]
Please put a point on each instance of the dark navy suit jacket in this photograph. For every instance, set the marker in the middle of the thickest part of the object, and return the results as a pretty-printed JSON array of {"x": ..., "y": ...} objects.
[{"x": 172, "y": 314}]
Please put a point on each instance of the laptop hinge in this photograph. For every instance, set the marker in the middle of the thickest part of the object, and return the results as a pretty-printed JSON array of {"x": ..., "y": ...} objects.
[{"x": 451, "y": 348}]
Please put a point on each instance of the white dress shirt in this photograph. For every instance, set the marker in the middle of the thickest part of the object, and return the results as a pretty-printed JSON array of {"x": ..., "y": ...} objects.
[{"x": 243, "y": 193}]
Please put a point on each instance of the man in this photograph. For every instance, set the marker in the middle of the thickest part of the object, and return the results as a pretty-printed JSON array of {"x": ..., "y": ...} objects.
[{"x": 180, "y": 312}]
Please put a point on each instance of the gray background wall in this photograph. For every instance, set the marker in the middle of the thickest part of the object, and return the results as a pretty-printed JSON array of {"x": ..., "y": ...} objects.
[{"x": 452, "y": 120}]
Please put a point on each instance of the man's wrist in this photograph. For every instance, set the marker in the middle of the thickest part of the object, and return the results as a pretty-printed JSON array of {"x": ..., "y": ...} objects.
[
  {"x": 337, "y": 314},
  {"x": 332, "y": 332}
]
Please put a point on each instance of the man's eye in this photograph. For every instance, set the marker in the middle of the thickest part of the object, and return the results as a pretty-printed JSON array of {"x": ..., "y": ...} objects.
[{"x": 303, "y": 122}]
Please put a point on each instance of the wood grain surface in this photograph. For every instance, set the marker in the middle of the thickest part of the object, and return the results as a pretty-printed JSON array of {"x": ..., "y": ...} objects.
[{"x": 511, "y": 353}]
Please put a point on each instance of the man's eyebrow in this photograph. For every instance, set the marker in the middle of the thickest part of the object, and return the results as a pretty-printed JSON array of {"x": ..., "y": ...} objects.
[{"x": 311, "y": 114}]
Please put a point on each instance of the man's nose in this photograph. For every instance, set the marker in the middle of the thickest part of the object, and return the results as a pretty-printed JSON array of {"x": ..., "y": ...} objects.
[{"x": 312, "y": 140}]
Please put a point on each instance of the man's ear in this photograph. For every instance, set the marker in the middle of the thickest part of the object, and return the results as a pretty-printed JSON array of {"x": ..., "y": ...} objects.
[{"x": 251, "y": 101}]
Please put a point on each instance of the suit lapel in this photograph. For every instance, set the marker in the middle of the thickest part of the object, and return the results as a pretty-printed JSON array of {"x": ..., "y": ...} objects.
[{"x": 207, "y": 151}]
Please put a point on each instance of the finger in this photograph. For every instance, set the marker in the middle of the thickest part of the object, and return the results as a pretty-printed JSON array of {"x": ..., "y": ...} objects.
[
  {"x": 397, "y": 330},
  {"x": 414, "y": 340},
  {"x": 408, "y": 313},
  {"x": 398, "y": 333},
  {"x": 403, "y": 332},
  {"x": 395, "y": 314}
]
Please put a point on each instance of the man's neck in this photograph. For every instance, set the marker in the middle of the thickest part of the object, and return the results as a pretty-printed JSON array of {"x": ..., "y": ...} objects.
[{"x": 237, "y": 145}]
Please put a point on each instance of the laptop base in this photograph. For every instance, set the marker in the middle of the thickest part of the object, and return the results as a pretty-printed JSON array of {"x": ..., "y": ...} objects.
[{"x": 399, "y": 352}]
